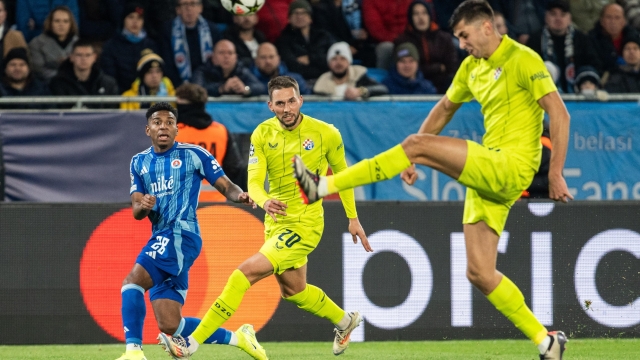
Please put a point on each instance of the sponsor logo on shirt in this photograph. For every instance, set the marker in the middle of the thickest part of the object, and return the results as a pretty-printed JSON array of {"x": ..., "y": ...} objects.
[
  {"x": 539, "y": 76},
  {"x": 307, "y": 144},
  {"x": 144, "y": 170},
  {"x": 253, "y": 160},
  {"x": 273, "y": 146},
  {"x": 176, "y": 163}
]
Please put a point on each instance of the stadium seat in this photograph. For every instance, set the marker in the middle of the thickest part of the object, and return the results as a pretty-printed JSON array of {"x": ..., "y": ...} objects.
[{"x": 377, "y": 74}]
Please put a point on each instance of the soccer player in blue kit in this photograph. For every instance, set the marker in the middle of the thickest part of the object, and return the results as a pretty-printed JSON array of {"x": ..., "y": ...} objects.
[{"x": 165, "y": 184}]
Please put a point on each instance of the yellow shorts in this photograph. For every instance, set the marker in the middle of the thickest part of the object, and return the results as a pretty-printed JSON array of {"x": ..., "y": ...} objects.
[
  {"x": 495, "y": 180},
  {"x": 287, "y": 245}
]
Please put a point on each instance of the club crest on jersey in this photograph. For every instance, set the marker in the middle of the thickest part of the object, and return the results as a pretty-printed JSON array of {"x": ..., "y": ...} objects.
[
  {"x": 497, "y": 74},
  {"x": 176, "y": 163},
  {"x": 307, "y": 144}
]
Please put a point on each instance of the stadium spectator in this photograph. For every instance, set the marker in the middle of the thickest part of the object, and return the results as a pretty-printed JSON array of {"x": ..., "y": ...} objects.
[
  {"x": 244, "y": 35},
  {"x": 303, "y": 46},
  {"x": 385, "y": 20},
  {"x": 632, "y": 12},
  {"x": 273, "y": 18},
  {"x": 150, "y": 82},
  {"x": 626, "y": 78},
  {"x": 268, "y": 66},
  {"x": 18, "y": 80},
  {"x": 187, "y": 42},
  {"x": 343, "y": 19},
  {"x": 566, "y": 47},
  {"x": 405, "y": 77},
  {"x": 585, "y": 13},
  {"x": 523, "y": 17},
  {"x": 501, "y": 24},
  {"x": 608, "y": 35},
  {"x": 121, "y": 53},
  {"x": 344, "y": 80},
  {"x": 31, "y": 15},
  {"x": 79, "y": 75},
  {"x": 196, "y": 126},
  {"x": 161, "y": 11},
  {"x": 9, "y": 37},
  {"x": 99, "y": 19},
  {"x": 438, "y": 54},
  {"x": 224, "y": 75},
  {"x": 53, "y": 46}
]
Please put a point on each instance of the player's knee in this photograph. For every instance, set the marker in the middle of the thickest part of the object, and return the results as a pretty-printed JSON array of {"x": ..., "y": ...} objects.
[
  {"x": 478, "y": 278},
  {"x": 412, "y": 144}
]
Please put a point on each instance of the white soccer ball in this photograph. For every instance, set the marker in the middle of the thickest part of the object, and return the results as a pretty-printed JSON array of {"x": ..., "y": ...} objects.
[{"x": 242, "y": 7}]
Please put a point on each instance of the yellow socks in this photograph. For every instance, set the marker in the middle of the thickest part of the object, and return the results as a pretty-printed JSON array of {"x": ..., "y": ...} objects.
[
  {"x": 315, "y": 301},
  {"x": 508, "y": 299},
  {"x": 381, "y": 167},
  {"x": 226, "y": 304}
]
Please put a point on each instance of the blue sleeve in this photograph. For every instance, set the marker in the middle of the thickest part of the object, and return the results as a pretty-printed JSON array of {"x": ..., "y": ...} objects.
[
  {"x": 137, "y": 185},
  {"x": 210, "y": 169}
]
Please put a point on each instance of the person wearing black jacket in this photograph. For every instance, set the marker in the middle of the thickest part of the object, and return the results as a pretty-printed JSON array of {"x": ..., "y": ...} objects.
[
  {"x": 344, "y": 80},
  {"x": 80, "y": 76},
  {"x": 626, "y": 78},
  {"x": 19, "y": 80},
  {"x": 302, "y": 46},
  {"x": 244, "y": 35},
  {"x": 224, "y": 75}
]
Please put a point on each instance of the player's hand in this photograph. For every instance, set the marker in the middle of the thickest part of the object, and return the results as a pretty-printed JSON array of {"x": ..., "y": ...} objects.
[
  {"x": 357, "y": 231},
  {"x": 245, "y": 199},
  {"x": 148, "y": 202},
  {"x": 558, "y": 189},
  {"x": 409, "y": 175},
  {"x": 273, "y": 207}
]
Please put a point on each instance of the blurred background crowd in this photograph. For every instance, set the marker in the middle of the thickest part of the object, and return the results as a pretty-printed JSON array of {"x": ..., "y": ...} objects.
[{"x": 349, "y": 49}]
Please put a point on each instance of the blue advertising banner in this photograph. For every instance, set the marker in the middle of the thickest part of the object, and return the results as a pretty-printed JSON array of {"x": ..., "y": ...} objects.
[{"x": 602, "y": 160}]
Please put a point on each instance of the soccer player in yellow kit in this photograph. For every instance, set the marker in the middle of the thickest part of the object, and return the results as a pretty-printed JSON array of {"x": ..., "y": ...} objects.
[
  {"x": 514, "y": 88},
  {"x": 292, "y": 228}
]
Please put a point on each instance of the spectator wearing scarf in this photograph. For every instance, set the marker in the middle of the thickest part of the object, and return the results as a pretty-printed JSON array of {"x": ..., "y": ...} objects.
[
  {"x": 188, "y": 41},
  {"x": 147, "y": 85},
  {"x": 569, "y": 49}
]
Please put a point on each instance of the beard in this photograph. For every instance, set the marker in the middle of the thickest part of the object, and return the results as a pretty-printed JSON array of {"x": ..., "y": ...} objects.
[
  {"x": 292, "y": 123},
  {"x": 340, "y": 75}
]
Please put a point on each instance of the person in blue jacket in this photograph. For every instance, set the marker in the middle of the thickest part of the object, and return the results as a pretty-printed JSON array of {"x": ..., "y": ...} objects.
[{"x": 404, "y": 76}]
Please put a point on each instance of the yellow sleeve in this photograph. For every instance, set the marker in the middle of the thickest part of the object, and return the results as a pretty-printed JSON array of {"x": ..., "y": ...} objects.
[
  {"x": 338, "y": 162},
  {"x": 534, "y": 76},
  {"x": 459, "y": 91},
  {"x": 257, "y": 171}
]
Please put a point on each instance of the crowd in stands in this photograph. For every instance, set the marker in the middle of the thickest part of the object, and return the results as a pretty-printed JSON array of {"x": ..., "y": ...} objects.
[{"x": 349, "y": 49}]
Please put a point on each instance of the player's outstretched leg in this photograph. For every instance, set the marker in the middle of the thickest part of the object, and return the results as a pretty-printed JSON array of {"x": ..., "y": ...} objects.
[
  {"x": 557, "y": 341},
  {"x": 248, "y": 343},
  {"x": 381, "y": 167},
  {"x": 343, "y": 337}
]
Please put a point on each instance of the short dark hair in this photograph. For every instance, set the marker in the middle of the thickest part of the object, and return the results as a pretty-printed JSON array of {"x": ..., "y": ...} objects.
[
  {"x": 159, "y": 106},
  {"x": 193, "y": 93},
  {"x": 471, "y": 10},
  {"x": 282, "y": 82},
  {"x": 83, "y": 43}
]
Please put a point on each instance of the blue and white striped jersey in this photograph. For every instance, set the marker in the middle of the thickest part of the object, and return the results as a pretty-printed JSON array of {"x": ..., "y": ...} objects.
[{"x": 174, "y": 178}]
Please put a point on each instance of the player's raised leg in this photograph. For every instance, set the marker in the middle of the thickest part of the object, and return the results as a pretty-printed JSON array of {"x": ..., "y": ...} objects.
[
  {"x": 441, "y": 153},
  {"x": 481, "y": 245}
]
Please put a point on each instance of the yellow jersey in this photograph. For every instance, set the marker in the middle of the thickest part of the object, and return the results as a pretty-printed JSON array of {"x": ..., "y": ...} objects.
[
  {"x": 272, "y": 148},
  {"x": 507, "y": 85}
]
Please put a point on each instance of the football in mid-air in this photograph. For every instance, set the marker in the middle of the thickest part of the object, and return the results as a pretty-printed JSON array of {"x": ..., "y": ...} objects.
[{"x": 242, "y": 7}]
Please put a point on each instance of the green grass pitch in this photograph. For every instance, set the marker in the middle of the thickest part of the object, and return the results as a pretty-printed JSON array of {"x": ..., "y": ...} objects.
[{"x": 582, "y": 349}]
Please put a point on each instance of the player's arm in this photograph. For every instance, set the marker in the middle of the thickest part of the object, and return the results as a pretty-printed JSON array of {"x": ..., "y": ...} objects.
[
  {"x": 232, "y": 191},
  {"x": 142, "y": 204},
  {"x": 439, "y": 116},
  {"x": 559, "y": 130},
  {"x": 256, "y": 176},
  {"x": 338, "y": 162}
]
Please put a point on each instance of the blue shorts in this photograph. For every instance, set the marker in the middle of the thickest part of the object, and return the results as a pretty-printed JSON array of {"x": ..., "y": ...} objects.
[{"x": 167, "y": 257}]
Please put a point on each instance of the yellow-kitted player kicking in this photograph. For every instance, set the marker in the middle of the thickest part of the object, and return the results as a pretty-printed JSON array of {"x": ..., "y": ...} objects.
[
  {"x": 292, "y": 228},
  {"x": 513, "y": 86}
]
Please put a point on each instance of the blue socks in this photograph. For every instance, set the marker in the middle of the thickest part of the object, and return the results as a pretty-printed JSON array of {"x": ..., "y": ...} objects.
[
  {"x": 133, "y": 313},
  {"x": 220, "y": 336}
]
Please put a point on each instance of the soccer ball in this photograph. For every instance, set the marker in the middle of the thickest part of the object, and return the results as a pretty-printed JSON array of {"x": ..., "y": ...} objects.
[{"x": 242, "y": 7}]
